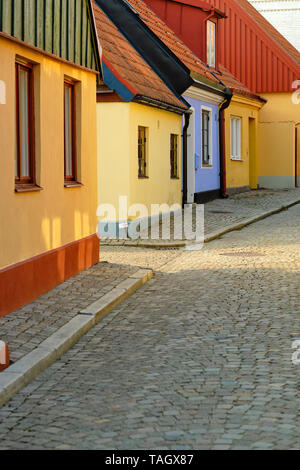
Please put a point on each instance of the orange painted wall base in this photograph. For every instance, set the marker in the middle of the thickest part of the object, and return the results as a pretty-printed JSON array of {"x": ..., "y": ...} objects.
[{"x": 24, "y": 282}]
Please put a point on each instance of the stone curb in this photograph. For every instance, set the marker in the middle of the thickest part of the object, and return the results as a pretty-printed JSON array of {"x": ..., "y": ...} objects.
[
  {"x": 218, "y": 233},
  {"x": 20, "y": 374},
  {"x": 208, "y": 238}
]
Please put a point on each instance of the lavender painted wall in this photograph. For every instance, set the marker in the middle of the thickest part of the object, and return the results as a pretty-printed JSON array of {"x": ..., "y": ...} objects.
[{"x": 206, "y": 179}]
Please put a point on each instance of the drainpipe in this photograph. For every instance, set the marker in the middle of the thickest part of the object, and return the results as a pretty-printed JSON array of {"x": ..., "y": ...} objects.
[
  {"x": 225, "y": 105},
  {"x": 187, "y": 117}
]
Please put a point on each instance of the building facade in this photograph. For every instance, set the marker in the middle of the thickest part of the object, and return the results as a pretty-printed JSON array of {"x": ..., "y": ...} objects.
[
  {"x": 48, "y": 195},
  {"x": 139, "y": 136},
  {"x": 247, "y": 46}
]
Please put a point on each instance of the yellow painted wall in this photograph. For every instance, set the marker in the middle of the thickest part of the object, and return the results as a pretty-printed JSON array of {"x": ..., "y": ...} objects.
[
  {"x": 158, "y": 188},
  {"x": 33, "y": 223},
  {"x": 244, "y": 172},
  {"x": 118, "y": 155},
  {"x": 276, "y": 139},
  {"x": 113, "y": 132}
]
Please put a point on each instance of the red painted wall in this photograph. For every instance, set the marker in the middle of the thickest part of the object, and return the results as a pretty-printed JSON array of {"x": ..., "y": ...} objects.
[
  {"x": 24, "y": 282},
  {"x": 187, "y": 21},
  {"x": 244, "y": 47}
]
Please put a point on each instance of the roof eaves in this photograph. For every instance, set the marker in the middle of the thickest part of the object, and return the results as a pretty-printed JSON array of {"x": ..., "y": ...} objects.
[
  {"x": 202, "y": 5},
  {"x": 156, "y": 54},
  {"x": 114, "y": 78},
  {"x": 163, "y": 105}
]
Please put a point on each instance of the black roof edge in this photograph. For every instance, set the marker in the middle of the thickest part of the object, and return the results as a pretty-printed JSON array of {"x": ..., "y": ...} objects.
[
  {"x": 160, "y": 104},
  {"x": 174, "y": 73}
]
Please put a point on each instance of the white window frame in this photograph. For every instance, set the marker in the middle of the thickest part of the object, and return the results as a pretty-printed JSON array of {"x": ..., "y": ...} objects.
[
  {"x": 236, "y": 138},
  {"x": 210, "y": 138},
  {"x": 211, "y": 37}
]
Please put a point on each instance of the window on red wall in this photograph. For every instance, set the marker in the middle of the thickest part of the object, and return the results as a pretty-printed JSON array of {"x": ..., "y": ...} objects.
[{"x": 211, "y": 44}]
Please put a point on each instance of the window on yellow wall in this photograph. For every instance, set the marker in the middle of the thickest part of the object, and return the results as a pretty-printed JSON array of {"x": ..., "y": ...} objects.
[
  {"x": 142, "y": 152},
  {"x": 174, "y": 156},
  {"x": 236, "y": 138},
  {"x": 24, "y": 127}
]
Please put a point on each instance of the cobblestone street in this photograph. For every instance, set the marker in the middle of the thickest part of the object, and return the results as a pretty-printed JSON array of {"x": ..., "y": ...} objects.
[{"x": 199, "y": 358}]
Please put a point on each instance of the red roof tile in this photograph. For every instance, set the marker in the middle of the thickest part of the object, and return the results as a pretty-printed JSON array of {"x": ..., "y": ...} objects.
[
  {"x": 235, "y": 85},
  {"x": 126, "y": 61}
]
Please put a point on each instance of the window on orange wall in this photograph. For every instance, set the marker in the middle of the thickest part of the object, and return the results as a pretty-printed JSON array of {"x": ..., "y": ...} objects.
[
  {"x": 70, "y": 132},
  {"x": 211, "y": 44},
  {"x": 24, "y": 126}
]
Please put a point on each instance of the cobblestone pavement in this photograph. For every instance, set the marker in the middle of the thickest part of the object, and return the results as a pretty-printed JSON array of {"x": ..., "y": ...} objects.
[
  {"x": 199, "y": 358},
  {"x": 223, "y": 213},
  {"x": 29, "y": 326}
]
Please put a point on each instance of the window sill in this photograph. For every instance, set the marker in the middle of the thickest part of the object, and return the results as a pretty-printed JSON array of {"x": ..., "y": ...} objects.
[
  {"x": 143, "y": 177},
  {"x": 236, "y": 159},
  {"x": 73, "y": 184},
  {"x": 24, "y": 188},
  {"x": 176, "y": 178},
  {"x": 207, "y": 167}
]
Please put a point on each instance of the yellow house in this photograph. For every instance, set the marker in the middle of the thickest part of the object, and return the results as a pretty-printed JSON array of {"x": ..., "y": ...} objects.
[
  {"x": 279, "y": 141},
  {"x": 241, "y": 136},
  {"x": 139, "y": 136},
  {"x": 48, "y": 182}
]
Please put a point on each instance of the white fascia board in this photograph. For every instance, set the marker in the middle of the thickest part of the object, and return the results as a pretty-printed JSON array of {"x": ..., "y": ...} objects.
[{"x": 204, "y": 95}]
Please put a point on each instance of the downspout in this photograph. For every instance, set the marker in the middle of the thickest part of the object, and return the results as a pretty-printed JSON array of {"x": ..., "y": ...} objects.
[
  {"x": 224, "y": 105},
  {"x": 187, "y": 117},
  {"x": 228, "y": 97}
]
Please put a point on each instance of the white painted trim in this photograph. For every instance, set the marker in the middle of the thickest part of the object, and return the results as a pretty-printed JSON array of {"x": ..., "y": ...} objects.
[
  {"x": 191, "y": 159},
  {"x": 211, "y": 166},
  {"x": 203, "y": 95}
]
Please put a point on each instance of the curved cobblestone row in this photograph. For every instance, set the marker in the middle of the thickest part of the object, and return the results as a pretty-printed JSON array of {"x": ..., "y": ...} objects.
[{"x": 199, "y": 358}]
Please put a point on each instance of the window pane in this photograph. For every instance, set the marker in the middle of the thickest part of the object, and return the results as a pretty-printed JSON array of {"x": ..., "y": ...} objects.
[
  {"x": 24, "y": 125},
  {"x": 142, "y": 152},
  {"x": 206, "y": 137},
  {"x": 68, "y": 131},
  {"x": 211, "y": 44},
  {"x": 236, "y": 137},
  {"x": 174, "y": 156}
]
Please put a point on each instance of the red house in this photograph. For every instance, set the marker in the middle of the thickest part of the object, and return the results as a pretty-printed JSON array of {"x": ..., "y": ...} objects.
[{"x": 233, "y": 34}]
